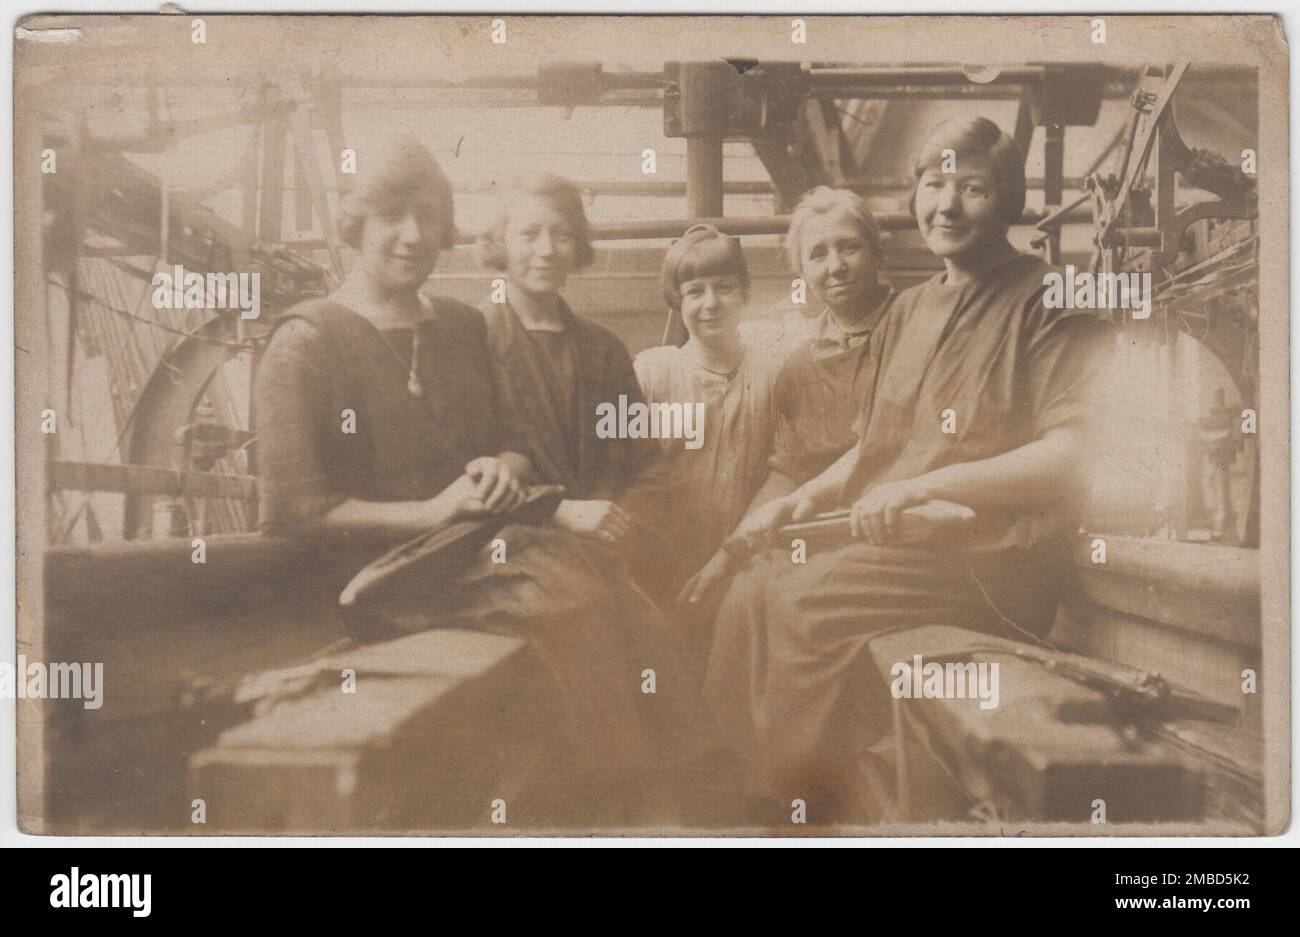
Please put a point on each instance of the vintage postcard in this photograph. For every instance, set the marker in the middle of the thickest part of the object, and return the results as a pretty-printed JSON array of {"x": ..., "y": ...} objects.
[{"x": 686, "y": 426}]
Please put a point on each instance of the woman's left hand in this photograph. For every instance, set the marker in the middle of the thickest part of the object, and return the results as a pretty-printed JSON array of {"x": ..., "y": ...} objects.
[
  {"x": 877, "y": 515},
  {"x": 498, "y": 488}
]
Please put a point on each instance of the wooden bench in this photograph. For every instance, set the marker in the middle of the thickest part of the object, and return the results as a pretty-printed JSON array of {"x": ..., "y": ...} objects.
[
  {"x": 1187, "y": 612},
  {"x": 1192, "y": 613},
  {"x": 176, "y": 638},
  {"x": 433, "y": 729}
]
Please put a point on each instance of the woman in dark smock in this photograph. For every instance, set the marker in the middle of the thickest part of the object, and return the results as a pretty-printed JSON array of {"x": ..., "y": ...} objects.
[
  {"x": 379, "y": 419},
  {"x": 835, "y": 246},
  {"x": 981, "y": 399}
]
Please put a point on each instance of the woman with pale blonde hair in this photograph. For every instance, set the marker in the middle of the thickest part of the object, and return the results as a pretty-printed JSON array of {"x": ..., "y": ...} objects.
[{"x": 554, "y": 367}]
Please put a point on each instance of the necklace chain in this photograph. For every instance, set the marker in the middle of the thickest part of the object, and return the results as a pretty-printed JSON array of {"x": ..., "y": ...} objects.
[{"x": 413, "y": 385}]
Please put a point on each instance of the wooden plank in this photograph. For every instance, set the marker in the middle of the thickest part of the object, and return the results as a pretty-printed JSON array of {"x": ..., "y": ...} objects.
[
  {"x": 1190, "y": 611},
  {"x": 1178, "y": 565},
  {"x": 122, "y": 768},
  {"x": 305, "y": 152},
  {"x": 147, "y": 480},
  {"x": 1228, "y": 617},
  {"x": 1208, "y": 667},
  {"x": 301, "y": 196}
]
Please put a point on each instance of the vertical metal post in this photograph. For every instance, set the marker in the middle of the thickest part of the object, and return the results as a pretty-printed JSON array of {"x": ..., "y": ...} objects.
[
  {"x": 1053, "y": 184},
  {"x": 1176, "y": 470},
  {"x": 700, "y": 111},
  {"x": 704, "y": 175}
]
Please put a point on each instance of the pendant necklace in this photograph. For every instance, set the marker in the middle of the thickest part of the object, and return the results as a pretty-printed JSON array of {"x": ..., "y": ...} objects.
[{"x": 413, "y": 385}]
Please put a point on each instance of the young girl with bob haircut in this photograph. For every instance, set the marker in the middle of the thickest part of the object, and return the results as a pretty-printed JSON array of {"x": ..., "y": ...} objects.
[{"x": 706, "y": 490}]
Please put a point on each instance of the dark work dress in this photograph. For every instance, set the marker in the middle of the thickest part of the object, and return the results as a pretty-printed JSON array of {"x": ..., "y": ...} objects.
[
  {"x": 552, "y": 382},
  {"x": 818, "y": 400},
  {"x": 592, "y": 632}
]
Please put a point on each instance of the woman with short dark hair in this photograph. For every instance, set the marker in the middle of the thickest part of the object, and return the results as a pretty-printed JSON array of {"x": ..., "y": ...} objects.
[{"x": 982, "y": 399}]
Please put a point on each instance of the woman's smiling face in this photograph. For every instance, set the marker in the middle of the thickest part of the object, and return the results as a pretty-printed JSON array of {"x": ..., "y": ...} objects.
[
  {"x": 959, "y": 212},
  {"x": 541, "y": 246},
  {"x": 837, "y": 261},
  {"x": 712, "y": 306},
  {"x": 399, "y": 240}
]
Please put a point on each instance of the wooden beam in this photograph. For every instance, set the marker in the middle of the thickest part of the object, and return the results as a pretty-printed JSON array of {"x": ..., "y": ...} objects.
[
  {"x": 302, "y": 211},
  {"x": 1024, "y": 130},
  {"x": 248, "y": 189},
  {"x": 270, "y": 218},
  {"x": 303, "y": 140},
  {"x": 659, "y": 228},
  {"x": 147, "y": 480},
  {"x": 330, "y": 95}
]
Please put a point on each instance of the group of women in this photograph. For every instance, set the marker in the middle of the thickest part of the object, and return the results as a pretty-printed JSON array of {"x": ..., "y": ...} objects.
[{"x": 965, "y": 388}]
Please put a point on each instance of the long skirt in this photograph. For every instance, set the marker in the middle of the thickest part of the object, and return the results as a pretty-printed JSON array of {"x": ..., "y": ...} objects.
[
  {"x": 614, "y": 675},
  {"x": 791, "y": 686}
]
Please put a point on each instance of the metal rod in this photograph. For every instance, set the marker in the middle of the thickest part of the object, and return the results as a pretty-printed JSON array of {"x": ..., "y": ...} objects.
[
  {"x": 918, "y": 75},
  {"x": 658, "y": 229},
  {"x": 1061, "y": 214},
  {"x": 667, "y": 189},
  {"x": 920, "y": 92}
]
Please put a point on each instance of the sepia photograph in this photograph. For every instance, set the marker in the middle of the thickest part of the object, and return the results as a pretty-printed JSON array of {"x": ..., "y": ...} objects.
[{"x": 674, "y": 426}]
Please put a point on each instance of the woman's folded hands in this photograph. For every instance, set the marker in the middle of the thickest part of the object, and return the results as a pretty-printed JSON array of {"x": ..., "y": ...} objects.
[
  {"x": 497, "y": 487},
  {"x": 489, "y": 486}
]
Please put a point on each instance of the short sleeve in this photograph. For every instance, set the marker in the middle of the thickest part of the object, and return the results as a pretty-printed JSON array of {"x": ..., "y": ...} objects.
[
  {"x": 787, "y": 449},
  {"x": 293, "y": 396},
  {"x": 651, "y": 368},
  {"x": 1067, "y": 355}
]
